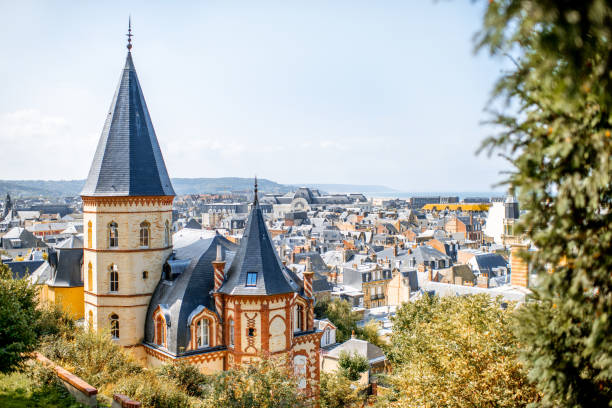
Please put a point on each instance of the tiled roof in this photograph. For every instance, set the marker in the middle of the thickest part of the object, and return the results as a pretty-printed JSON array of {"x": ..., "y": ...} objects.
[{"x": 128, "y": 160}]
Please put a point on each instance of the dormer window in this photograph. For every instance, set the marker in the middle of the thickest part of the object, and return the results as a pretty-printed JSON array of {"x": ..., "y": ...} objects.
[
  {"x": 202, "y": 333},
  {"x": 251, "y": 279}
]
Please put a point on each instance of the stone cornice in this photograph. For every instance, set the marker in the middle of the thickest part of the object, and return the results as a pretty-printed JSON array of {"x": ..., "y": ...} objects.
[{"x": 127, "y": 200}]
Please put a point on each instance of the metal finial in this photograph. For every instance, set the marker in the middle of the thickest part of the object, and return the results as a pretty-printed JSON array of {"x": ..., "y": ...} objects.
[
  {"x": 129, "y": 34},
  {"x": 255, "y": 198}
]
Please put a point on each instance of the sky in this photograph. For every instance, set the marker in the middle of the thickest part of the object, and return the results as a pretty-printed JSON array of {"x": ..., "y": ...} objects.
[{"x": 354, "y": 92}]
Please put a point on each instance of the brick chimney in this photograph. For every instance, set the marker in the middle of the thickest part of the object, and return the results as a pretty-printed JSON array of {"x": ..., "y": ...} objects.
[
  {"x": 483, "y": 280},
  {"x": 309, "y": 293},
  {"x": 519, "y": 269},
  {"x": 219, "y": 266}
]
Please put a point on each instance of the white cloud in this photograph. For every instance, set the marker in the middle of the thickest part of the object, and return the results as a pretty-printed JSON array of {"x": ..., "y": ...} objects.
[{"x": 38, "y": 145}]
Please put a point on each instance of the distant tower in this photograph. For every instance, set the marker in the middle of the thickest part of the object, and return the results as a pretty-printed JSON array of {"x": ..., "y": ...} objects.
[
  {"x": 127, "y": 206},
  {"x": 8, "y": 205}
]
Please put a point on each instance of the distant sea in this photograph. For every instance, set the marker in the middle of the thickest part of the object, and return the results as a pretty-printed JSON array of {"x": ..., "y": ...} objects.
[{"x": 460, "y": 194}]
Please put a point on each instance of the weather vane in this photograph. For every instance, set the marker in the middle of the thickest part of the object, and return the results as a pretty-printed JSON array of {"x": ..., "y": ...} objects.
[{"x": 129, "y": 34}]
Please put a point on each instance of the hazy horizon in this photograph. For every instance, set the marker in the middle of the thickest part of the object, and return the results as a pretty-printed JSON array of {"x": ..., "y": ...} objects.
[{"x": 350, "y": 92}]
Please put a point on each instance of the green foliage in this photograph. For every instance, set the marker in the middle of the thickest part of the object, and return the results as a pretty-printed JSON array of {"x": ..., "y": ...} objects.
[
  {"x": 557, "y": 135},
  {"x": 352, "y": 365},
  {"x": 55, "y": 321},
  {"x": 92, "y": 356},
  {"x": 369, "y": 332},
  {"x": 340, "y": 313},
  {"x": 18, "y": 320},
  {"x": 37, "y": 389},
  {"x": 152, "y": 391},
  {"x": 188, "y": 377},
  {"x": 337, "y": 391},
  {"x": 264, "y": 384},
  {"x": 456, "y": 352}
]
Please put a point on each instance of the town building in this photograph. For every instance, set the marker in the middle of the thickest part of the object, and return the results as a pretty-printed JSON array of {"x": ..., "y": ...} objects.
[{"x": 212, "y": 303}]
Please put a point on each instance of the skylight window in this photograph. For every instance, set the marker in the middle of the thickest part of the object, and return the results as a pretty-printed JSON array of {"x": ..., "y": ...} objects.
[{"x": 251, "y": 279}]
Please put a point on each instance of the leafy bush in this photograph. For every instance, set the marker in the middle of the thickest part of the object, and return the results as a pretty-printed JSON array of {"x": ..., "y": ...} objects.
[
  {"x": 186, "y": 376},
  {"x": 92, "y": 356},
  {"x": 352, "y": 365},
  {"x": 18, "y": 320},
  {"x": 457, "y": 352},
  {"x": 152, "y": 391},
  {"x": 263, "y": 384},
  {"x": 337, "y": 391}
]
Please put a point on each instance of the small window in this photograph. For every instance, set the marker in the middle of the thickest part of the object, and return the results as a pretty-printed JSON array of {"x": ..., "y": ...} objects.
[
  {"x": 202, "y": 333},
  {"x": 231, "y": 333},
  {"x": 251, "y": 279},
  {"x": 167, "y": 234},
  {"x": 89, "y": 234},
  {"x": 114, "y": 326},
  {"x": 251, "y": 331},
  {"x": 89, "y": 277},
  {"x": 145, "y": 274},
  {"x": 160, "y": 332},
  {"x": 114, "y": 278},
  {"x": 145, "y": 232},
  {"x": 113, "y": 235}
]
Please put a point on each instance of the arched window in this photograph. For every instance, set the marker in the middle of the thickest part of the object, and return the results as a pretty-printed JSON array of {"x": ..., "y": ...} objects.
[
  {"x": 167, "y": 234},
  {"x": 202, "y": 333},
  {"x": 298, "y": 318},
  {"x": 114, "y": 326},
  {"x": 89, "y": 277},
  {"x": 114, "y": 278},
  {"x": 327, "y": 336},
  {"x": 89, "y": 234},
  {"x": 145, "y": 232},
  {"x": 160, "y": 330},
  {"x": 231, "y": 332},
  {"x": 113, "y": 235}
]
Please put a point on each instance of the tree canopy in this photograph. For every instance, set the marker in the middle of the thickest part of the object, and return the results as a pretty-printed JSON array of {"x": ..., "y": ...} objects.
[
  {"x": 18, "y": 320},
  {"x": 456, "y": 352},
  {"x": 555, "y": 130}
]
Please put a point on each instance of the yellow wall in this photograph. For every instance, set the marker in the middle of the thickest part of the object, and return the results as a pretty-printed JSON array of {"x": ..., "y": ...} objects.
[
  {"x": 454, "y": 207},
  {"x": 70, "y": 299}
]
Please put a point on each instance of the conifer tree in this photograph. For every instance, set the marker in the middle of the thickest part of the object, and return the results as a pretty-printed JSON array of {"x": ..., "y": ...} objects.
[{"x": 556, "y": 131}]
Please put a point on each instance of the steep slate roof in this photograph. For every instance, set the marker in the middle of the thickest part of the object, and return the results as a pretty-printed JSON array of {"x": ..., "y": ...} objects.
[
  {"x": 257, "y": 254},
  {"x": 190, "y": 290},
  {"x": 128, "y": 160}
]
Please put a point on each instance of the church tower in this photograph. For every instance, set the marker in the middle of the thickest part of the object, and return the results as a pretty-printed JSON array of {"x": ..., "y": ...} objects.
[{"x": 127, "y": 215}]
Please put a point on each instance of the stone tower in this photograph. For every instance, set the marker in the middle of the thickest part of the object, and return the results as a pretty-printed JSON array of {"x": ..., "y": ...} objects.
[{"x": 127, "y": 206}]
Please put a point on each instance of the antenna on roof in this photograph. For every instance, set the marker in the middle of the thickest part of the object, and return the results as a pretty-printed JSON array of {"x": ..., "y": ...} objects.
[
  {"x": 255, "y": 201},
  {"x": 129, "y": 34}
]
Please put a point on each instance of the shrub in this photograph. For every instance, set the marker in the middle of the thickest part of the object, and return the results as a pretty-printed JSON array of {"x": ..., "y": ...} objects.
[
  {"x": 152, "y": 392},
  {"x": 18, "y": 320},
  {"x": 188, "y": 377},
  {"x": 352, "y": 365}
]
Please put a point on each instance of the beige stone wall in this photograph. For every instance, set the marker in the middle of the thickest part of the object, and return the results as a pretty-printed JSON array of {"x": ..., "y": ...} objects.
[
  {"x": 130, "y": 302},
  {"x": 397, "y": 291}
]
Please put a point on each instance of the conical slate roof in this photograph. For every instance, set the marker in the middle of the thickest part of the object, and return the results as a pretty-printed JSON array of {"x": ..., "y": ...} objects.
[
  {"x": 128, "y": 160},
  {"x": 257, "y": 254}
]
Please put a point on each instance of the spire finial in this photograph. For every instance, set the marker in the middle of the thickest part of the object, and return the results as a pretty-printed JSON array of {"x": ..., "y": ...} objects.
[
  {"x": 129, "y": 34},
  {"x": 255, "y": 201}
]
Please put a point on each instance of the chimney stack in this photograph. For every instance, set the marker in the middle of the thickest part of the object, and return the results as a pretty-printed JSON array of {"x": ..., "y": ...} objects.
[
  {"x": 308, "y": 292},
  {"x": 219, "y": 266}
]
